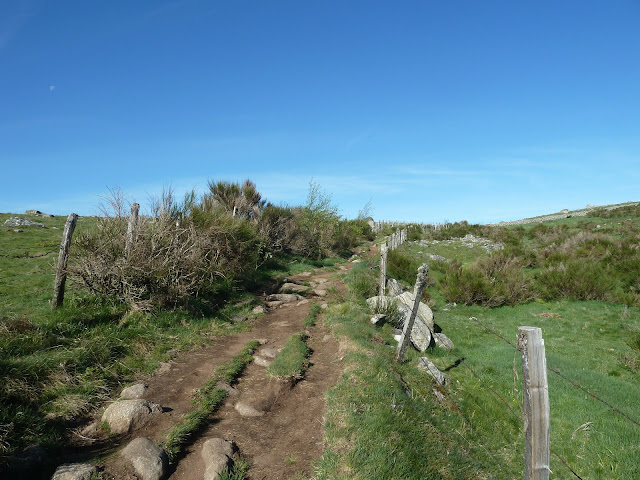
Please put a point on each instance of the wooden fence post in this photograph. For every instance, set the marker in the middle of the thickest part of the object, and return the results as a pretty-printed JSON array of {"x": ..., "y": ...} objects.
[
  {"x": 421, "y": 281},
  {"x": 535, "y": 403},
  {"x": 383, "y": 269},
  {"x": 131, "y": 228},
  {"x": 63, "y": 258}
]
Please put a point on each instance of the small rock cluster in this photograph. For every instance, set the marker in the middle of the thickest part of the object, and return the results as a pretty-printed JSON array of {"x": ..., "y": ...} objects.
[
  {"x": 291, "y": 292},
  {"x": 423, "y": 333},
  {"x": 469, "y": 241}
]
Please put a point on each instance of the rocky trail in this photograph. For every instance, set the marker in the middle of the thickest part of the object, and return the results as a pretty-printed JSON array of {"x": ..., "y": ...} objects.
[{"x": 275, "y": 425}]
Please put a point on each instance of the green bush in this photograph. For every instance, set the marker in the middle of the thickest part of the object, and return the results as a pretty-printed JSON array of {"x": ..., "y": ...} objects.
[{"x": 578, "y": 279}]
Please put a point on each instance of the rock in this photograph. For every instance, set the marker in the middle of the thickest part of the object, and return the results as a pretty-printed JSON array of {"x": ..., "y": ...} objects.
[
  {"x": 320, "y": 292},
  {"x": 124, "y": 416},
  {"x": 292, "y": 288},
  {"x": 17, "y": 230},
  {"x": 233, "y": 392},
  {"x": 378, "y": 319},
  {"x": 302, "y": 302},
  {"x": 217, "y": 455},
  {"x": 443, "y": 341},
  {"x": 259, "y": 309},
  {"x": 268, "y": 352},
  {"x": 38, "y": 213},
  {"x": 424, "y": 312},
  {"x": 22, "y": 222},
  {"x": 133, "y": 392},
  {"x": 247, "y": 410},
  {"x": 378, "y": 303},
  {"x": 305, "y": 274},
  {"x": 261, "y": 361},
  {"x": 164, "y": 367},
  {"x": 262, "y": 341},
  {"x": 357, "y": 260},
  {"x": 148, "y": 459},
  {"x": 324, "y": 306},
  {"x": 427, "y": 365},
  {"x": 393, "y": 288},
  {"x": 285, "y": 297},
  {"x": 433, "y": 256},
  {"x": 274, "y": 304},
  {"x": 74, "y": 471},
  {"x": 90, "y": 430}
]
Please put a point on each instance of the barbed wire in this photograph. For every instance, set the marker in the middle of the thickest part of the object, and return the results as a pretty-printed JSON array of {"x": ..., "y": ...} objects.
[
  {"x": 497, "y": 334},
  {"x": 566, "y": 464}
]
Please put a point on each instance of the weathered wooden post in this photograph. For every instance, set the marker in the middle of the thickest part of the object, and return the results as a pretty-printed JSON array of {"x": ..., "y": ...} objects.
[
  {"x": 63, "y": 258},
  {"x": 536, "y": 410},
  {"x": 131, "y": 229},
  {"x": 421, "y": 281},
  {"x": 383, "y": 269}
]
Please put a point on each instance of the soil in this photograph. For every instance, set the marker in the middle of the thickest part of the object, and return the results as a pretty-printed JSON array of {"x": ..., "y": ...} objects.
[{"x": 282, "y": 443}]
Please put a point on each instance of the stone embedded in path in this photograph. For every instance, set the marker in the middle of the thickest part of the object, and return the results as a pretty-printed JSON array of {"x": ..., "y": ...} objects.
[
  {"x": 284, "y": 297},
  {"x": 148, "y": 459},
  {"x": 292, "y": 288},
  {"x": 259, "y": 309},
  {"x": 428, "y": 366},
  {"x": 133, "y": 392},
  {"x": 217, "y": 454},
  {"x": 261, "y": 361},
  {"x": 320, "y": 292},
  {"x": 125, "y": 416},
  {"x": 305, "y": 274},
  {"x": 443, "y": 341},
  {"x": 274, "y": 304},
  {"x": 247, "y": 410},
  {"x": 74, "y": 471},
  {"x": 268, "y": 352}
]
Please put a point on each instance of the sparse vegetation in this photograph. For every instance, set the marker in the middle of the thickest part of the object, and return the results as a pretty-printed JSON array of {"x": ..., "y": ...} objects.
[{"x": 293, "y": 360}]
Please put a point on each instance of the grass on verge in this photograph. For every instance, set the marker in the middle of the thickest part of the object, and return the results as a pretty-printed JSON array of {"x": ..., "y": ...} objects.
[
  {"x": 314, "y": 311},
  {"x": 208, "y": 399},
  {"x": 293, "y": 359}
]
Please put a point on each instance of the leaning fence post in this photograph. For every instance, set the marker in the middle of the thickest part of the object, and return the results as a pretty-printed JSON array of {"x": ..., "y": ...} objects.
[
  {"x": 131, "y": 228},
  {"x": 535, "y": 403},
  {"x": 383, "y": 269},
  {"x": 63, "y": 258},
  {"x": 421, "y": 280}
]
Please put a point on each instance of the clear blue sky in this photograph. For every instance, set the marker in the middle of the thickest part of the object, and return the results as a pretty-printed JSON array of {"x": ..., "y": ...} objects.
[{"x": 431, "y": 110}]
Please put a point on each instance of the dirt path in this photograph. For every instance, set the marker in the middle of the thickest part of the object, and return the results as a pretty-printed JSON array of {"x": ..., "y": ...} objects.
[{"x": 283, "y": 442}]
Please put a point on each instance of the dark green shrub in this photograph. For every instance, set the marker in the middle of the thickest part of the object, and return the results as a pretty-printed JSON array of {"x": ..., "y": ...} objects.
[{"x": 578, "y": 279}]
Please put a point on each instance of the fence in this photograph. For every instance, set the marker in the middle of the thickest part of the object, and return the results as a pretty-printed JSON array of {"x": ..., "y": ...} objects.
[
  {"x": 379, "y": 226},
  {"x": 536, "y": 415}
]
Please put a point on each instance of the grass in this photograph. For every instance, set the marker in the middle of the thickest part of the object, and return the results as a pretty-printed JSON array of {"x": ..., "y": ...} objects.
[
  {"x": 207, "y": 400},
  {"x": 310, "y": 319},
  {"x": 59, "y": 365},
  {"x": 293, "y": 360}
]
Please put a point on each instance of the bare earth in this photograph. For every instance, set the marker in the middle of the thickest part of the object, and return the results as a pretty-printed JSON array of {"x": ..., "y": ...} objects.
[{"x": 281, "y": 444}]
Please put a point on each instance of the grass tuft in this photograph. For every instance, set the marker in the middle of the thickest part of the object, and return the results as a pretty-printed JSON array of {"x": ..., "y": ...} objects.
[{"x": 293, "y": 360}]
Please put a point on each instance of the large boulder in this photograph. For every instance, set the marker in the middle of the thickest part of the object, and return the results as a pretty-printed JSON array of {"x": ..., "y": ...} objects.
[
  {"x": 217, "y": 454},
  {"x": 284, "y": 297},
  {"x": 148, "y": 459},
  {"x": 393, "y": 288},
  {"x": 125, "y": 416},
  {"x": 133, "y": 392},
  {"x": 292, "y": 288},
  {"x": 424, "y": 312},
  {"x": 421, "y": 333},
  {"x": 75, "y": 471}
]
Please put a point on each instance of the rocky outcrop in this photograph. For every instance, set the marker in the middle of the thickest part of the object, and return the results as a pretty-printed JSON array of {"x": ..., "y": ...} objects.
[
  {"x": 125, "y": 416},
  {"x": 22, "y": 222},
  {"x": 148, "y": 459}
]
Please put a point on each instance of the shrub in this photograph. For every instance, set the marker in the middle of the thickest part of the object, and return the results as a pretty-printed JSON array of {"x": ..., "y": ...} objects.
[{"x": 578, "y": 279}]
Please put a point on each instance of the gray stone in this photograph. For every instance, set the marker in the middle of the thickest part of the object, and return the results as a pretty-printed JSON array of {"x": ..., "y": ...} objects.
[
  {"x": 292, "y": 288},
  {"x": 380, "y": 303},
  {"x": 324, "y": 306},
  {"x": 423, "y": 323},
  {"x": 259, "y": 309},
  {"x": 217, "y": 454},
  {"x": 261, "y": 361},
  {"x": 133, "y": 392},
  {"x": 38, "y": 213},
  {"x": 247, "y": 410},
  {"x": 268, "y": 352},
  {"x": 320, "y": 292},
  {"x": 284, "y": 297},
  {"x": 443, "y": 341},
  {"x": 305, "y": 274},
  {"x": 22, "y": 222},
  {"x": 124, "y": 416},
  {"x": 378, "y": 319},
  {"x": 433, "y": 256},
  {"x": 424, "y": 312},
  {"x": 274, "y": 304},
  {"x": 17, "y": 230},
  {"x": 148, "y": 459},
  {"x": 74, "y": 471},
  {"x": 427, "y": 366},
  {"x": 393, "y": 288}
]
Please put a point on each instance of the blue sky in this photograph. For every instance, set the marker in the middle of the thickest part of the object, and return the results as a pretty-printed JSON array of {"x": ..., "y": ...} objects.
[{"x": 432, "y": 111}]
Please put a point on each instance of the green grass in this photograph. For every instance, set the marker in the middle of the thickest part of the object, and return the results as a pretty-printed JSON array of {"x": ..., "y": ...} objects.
[
  {"x": 314, "y": 311},
  {"x": 293, "y": 360},
  {"x": 207, "y": 400}
]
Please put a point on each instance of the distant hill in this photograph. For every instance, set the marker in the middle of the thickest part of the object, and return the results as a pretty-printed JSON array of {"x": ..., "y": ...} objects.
[{"x": 567, "y": 214}]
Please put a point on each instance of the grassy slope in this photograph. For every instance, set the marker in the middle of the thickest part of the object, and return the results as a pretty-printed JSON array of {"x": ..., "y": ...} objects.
[{"x": 586, "y": 341}]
